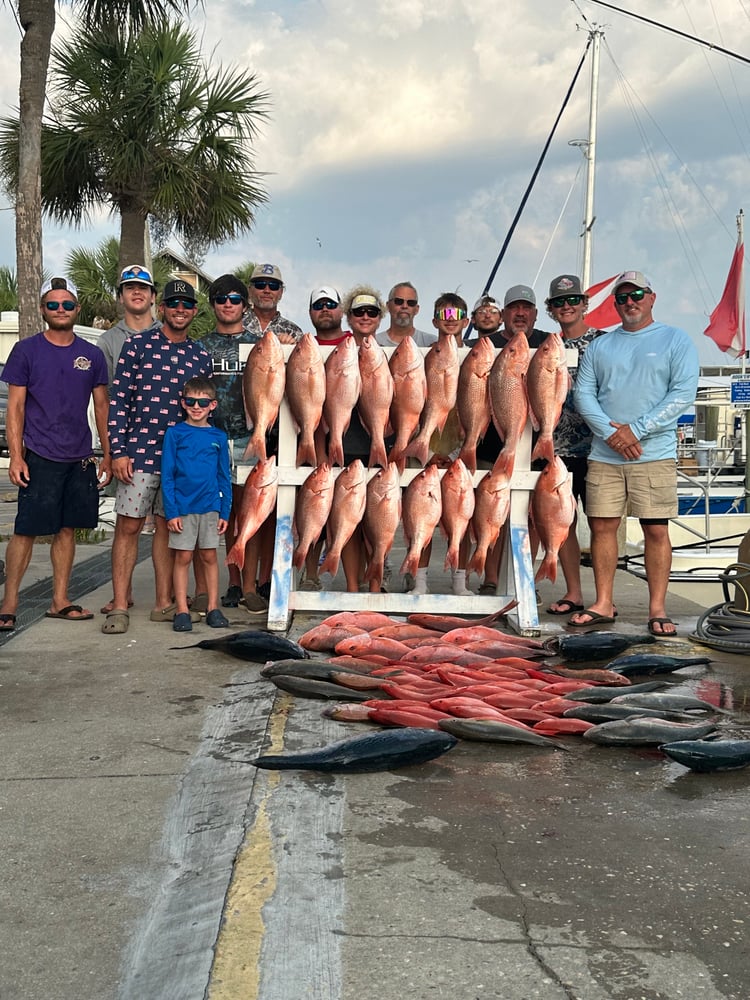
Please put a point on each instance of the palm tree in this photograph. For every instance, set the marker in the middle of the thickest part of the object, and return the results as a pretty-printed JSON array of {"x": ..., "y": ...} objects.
[
  {"x": 36, "y": 19},
  {"x": 8, "y": 290},
  {"x": 138, "y": 122}
]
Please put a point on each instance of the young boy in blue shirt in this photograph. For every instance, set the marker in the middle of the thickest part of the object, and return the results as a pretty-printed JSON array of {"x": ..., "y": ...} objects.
[{"x": 197, "y": 493}]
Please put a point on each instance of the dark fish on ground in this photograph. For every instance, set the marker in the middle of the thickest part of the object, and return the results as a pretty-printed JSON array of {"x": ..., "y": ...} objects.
[
  {"x": 640, "y": 732},
  {"x": 322, "y": 670},
  {"x": 253, "y": 645},
  {"x": 713, "y": 755},
  {"x": 310, "y": 687},
  {"x": 610, "y": 711},
  {"x": 383, "y": 751},
  {"x": 594, "y": 645},
  {"x": 492, "y": 731},
  {"x": 667, "y": 701},
  {"x": 653, "y": 663},
  {"x": 599, "y": 695}
]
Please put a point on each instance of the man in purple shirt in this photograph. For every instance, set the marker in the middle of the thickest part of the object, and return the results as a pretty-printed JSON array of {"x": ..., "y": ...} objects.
[
  {"x": 51, "y": 378},
  {"x": 145, "y": 399}
]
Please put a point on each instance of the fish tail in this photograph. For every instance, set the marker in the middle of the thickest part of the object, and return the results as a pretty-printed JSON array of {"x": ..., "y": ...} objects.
[
  {"x": 377, "y": 455},
  {"x": 236, "y": 555},
  {"x": 300, "y": 554},
  {"x": 336, "y": 453},
  {"x": 410, "y": 564},
  {"x": 548, "y": 568},
  {"x": 451, "y": 558},
  {"x": 477, "y": 561},
  {"x": 544, "y": 448},
  {"x": 398, "y": 459},
  {"x": 306, "y": 453},
  {"x": 256, "y": 447},
  {"x": 331, "y": 562},
  {"x": 505, "y": 462},
  {"x": 468, "y": 456},
  {"x": 418, "y": 449}
]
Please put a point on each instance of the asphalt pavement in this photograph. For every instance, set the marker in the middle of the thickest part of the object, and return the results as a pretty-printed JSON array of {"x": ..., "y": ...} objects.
[{"x": 142, "y": 857}]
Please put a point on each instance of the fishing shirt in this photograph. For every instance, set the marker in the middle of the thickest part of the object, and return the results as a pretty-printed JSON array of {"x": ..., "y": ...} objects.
[
  {"x": 224, "y": 349},
  {"x": 58, "y": 382},
  {"x": 645, "y": 378},
  {"x": 195, "y": 476},
  {"x": 145, "y": 394},
  {"x": 111, "y": 342},
  {"x": 279, "y": 324}
]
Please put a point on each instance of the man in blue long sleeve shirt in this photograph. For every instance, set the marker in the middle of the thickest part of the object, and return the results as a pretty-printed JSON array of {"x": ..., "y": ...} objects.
[{"x": 632, "y": 386}]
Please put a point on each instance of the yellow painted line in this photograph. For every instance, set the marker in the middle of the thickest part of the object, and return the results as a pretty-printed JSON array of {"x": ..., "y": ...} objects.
[{"x": 235, "y": 974}]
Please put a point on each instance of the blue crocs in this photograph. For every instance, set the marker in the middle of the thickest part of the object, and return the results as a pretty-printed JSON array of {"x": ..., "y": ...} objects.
[
  {"x": 215, "y": 619},
  {"x": 182, "y": 622}
]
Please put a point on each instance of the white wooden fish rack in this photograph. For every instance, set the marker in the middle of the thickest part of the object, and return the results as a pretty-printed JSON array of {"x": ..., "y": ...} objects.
[{"x": 515, "y": 581}]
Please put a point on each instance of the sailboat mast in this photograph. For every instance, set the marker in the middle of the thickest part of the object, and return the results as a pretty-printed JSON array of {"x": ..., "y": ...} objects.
[{"x": 595, "y": 36}]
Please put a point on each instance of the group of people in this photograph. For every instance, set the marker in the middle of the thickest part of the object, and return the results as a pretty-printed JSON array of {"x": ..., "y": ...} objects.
[{"x": 171, "y": 421}]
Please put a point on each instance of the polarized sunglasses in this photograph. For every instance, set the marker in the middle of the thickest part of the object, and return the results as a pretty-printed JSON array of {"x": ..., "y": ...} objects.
[
  {"x": 262, "y": 283},
  {"x": 324, "y": 304},
  {"x": 622, "y": 297},
  {"x": 67, "y": 305},
  {"x": 409, "y": 302},
  {"x": 176, "y": 303},
  {"x": 233, "y": 297},
  {"x": 559, "y": 301},
  {"x": 449, "y": 313},
  {"x": 134, "y": 272},
  {"x": 371, "y": 311},
  {"x": 194, "y": 401}
]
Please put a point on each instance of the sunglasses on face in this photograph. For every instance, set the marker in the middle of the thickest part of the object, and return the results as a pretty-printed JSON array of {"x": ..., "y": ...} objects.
[
  {"x": 176, "y": 303},
  {"x": 409, "y": 302},
  {"x": 67, "y": 305},
  {"x": 449, "y": 313},
  {"x": 194, "y": 401},
  {"x": 371, "y": 311},
  {"x": 324, "y": 304},
  {"x": 562, "y": 300},
  {"x": 622, "y": 297},
  {"x": 233, "y": 297},
  {"x": 263, "y": 283},
  {"x": 135, "y": 273}
]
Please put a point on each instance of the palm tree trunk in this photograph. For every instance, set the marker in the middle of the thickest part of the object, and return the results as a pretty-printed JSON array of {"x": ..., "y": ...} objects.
[
  {"x": 37, "y": 19},
  {"x": 133, "y": 248}
]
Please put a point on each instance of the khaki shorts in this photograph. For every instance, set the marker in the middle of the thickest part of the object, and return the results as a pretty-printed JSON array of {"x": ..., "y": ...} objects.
[
  {"x": 646, "y": 490},
  {"x": 141, "y": 497}
]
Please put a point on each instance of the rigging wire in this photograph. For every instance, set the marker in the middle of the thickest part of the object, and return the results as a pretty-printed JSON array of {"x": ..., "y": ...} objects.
[
  {"x": 557, "y": 225},
  {"x": 534, "y": 176},
  {"x": 674, "y": 31}
]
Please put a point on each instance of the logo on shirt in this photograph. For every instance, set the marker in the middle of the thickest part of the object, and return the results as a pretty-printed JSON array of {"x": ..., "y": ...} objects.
[{"x": 82, "y": 364}]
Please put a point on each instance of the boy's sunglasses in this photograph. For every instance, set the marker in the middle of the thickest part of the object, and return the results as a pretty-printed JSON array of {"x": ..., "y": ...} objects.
[
  {"x": 194, "y": 401},
  {"x": 233, "y": 297},
  {"x": 622, "y": 297},
  {"x": 68, "y": 305},
  {"x": 450, "y": 312}
]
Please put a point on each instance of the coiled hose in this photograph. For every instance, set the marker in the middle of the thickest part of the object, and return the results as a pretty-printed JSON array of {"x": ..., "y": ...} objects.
[{"x": 726, "y": 626}]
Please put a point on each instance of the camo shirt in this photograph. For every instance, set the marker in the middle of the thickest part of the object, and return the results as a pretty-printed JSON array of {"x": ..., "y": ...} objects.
[
  {"x": 224, "y": 349},
  {"x": 279, "y": 324},
  {"x": 573, "y": 436}
]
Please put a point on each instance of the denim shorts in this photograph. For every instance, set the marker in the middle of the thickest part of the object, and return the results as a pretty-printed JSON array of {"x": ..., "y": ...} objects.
[{"x": 59, "y": 495}]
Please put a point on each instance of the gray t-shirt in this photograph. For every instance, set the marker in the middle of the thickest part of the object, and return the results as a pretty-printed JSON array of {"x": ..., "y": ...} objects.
[{"x": 422, "y": 338}]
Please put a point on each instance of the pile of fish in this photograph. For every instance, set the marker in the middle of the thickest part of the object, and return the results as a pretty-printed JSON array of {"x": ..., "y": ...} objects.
[
  {"x": 476, "y": 682},
  {"x": 406, "y": 399}
]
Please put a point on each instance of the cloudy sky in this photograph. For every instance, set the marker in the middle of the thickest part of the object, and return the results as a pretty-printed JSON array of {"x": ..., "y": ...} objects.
[{"x": 404, "y": 133}]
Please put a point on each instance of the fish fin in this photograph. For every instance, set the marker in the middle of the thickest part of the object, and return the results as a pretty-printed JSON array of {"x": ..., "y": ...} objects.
[
  {"x": 331, "y": 563},
  {"x": 418, "y": 449},
  {"x": 306, "y": 454},
  {"x": 377, "y": 455},
  {"x": 505, "y": 462},
  {"x": 548, "y": 568},
  {"x": 468, "y": 456},
  {"x": 336, "y": 454},
  {"x": 476, "y": 563},
  {"x": 256, "y": 447}
]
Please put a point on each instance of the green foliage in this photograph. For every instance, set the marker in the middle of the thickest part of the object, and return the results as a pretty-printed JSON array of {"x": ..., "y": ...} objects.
[
  {"x": 138, "y": 122},
  {"x": 8, "y": 290}
]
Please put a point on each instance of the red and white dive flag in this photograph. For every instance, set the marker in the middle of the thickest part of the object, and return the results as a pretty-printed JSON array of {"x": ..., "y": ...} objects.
[
  {"x": 602, "y": 314},
  {"x": 727, "y": 324}
]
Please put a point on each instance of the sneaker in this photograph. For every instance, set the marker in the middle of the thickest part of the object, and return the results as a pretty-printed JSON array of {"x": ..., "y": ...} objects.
[
  {"x": 308, "y": 584},
  {"x": 488, "y": 588},
  {"x": 255, "y": 604},
  {"x": 182, "y": 622},
  {"x": 215, "y": 619},
  {"x": 232, "y": 597},
  {"x": 264, "y": 589}
]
